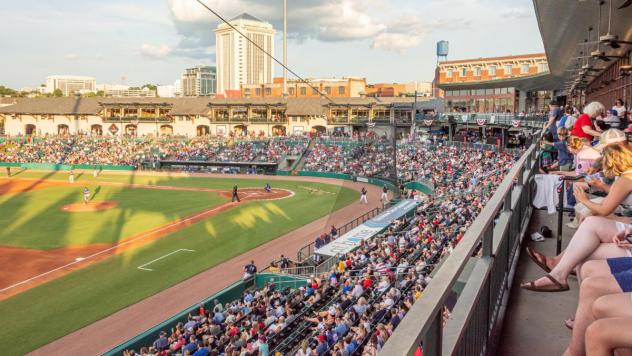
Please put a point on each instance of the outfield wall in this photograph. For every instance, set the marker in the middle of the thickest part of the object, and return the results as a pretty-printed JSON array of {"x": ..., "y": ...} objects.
[
  {"x": 370, "y": 180},
  {"x": 65, "y": 167},
  {"x": 226, "y": 295}
]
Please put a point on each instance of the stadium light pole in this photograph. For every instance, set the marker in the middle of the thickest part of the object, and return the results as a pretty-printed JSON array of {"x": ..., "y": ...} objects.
[{"x": 285, "y": 48}]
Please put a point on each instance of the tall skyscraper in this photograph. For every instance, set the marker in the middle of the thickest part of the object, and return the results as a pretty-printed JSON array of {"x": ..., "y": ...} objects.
[
  {"x": 238, "y": 60},
  {"x": 199, "y": 81}
]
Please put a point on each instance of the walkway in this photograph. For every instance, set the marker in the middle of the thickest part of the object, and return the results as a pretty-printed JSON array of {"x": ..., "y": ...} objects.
[
  {"x": 533, "y": 324},
  {"x": 104, "y": 334}
]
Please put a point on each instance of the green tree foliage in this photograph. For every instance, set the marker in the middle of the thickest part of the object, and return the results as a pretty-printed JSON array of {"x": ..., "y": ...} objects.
[{"x": 6, "y": 91}]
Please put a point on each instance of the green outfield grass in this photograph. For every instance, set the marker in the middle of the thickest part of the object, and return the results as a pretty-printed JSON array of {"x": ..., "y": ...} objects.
[
  {"x": 54, "y": 309},
  {"x": 35, "y": 220}
]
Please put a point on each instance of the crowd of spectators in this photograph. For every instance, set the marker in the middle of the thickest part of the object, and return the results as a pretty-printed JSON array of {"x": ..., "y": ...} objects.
[
  {"x": 52, "y": 150},
  {"x": 593, "y": 150},
  {"x": 353, "y": 308},
  {"x": 102, "y": 150},
  {"x": 366, "y": 159}
]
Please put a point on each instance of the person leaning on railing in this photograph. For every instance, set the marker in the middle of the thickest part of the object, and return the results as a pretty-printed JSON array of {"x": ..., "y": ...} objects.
[{"x": 598, "y": 250}]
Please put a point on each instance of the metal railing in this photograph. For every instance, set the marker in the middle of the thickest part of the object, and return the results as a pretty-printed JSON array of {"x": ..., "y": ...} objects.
[
  {"x": 475, "y": 319},
  {"x": 529, "y": 120}
]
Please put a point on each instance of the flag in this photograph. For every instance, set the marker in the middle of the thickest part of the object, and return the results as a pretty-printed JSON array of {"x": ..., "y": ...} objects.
[
  {"x": 428, "y": 122},
  {"x": 370, "y": 124},
  {"x": 515, "y": 123},
  {"x": 481, "y": 122}
]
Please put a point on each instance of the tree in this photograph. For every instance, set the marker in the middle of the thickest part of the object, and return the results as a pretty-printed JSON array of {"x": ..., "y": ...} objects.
[
  {"x": 150, "y": 86},
  {"x": 57, "y": 92},
  {"x": 7, "y": 91},
  {"x": 100, "y": 93}
]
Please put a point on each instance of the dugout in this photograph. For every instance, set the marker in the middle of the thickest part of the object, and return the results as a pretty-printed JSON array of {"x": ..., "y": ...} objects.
[{"x": 214, "y": 167}]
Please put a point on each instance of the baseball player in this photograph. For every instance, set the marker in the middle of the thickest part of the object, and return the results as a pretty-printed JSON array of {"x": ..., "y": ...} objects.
[
  {"x": 71, "y": 177},
  {"x": 363, "y": 198},
  {"x": 86, "y": 195},
  {"x": 268, "y": 188},
  {"x": 235, "y": 195},
  {"x": 384, "y": 197}
]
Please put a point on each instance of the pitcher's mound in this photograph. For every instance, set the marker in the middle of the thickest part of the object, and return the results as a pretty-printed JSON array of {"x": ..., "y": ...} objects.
[{"x": 91, "y": 206}]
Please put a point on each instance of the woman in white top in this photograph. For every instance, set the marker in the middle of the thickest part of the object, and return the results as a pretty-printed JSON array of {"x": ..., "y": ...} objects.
[{"x": 620, "y": 108}]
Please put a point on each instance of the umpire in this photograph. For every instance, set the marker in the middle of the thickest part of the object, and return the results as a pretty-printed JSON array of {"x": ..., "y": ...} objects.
[{"x": 235, "y": 195}]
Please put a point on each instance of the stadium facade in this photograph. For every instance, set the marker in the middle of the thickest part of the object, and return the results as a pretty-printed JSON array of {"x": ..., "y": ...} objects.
[{"x": 205, "y": 116}]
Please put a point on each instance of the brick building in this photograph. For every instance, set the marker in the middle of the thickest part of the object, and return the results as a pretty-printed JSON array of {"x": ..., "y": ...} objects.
[
  {"x": 345, "y": 87},
  {"x": 494, "y": 84}
]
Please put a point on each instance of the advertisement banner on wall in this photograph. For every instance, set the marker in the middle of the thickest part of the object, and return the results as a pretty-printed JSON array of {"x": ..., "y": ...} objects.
[{"x": 349, "y": 241}]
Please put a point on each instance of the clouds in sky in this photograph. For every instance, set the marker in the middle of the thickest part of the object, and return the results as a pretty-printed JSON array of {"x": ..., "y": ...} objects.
[
  {"x": 155, "y": 52},
  {"x": 324, "y": 20},
  {"x": 154, "y": 40}
]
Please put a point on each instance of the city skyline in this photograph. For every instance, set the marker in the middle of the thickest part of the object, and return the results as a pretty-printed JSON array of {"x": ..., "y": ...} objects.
[{"x": 153, "y": 42}]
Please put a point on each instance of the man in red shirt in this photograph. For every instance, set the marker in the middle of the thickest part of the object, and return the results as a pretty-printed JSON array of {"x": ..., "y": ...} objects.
[{"x": 584, "y": 126}]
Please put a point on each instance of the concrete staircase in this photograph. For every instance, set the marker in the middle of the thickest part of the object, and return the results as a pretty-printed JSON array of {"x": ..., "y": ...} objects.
[{"x": 301, "y": 162}]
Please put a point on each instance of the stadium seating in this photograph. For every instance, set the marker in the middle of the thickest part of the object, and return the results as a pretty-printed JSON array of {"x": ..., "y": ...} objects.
[
  {"x": 101, "y": 150},
  {"x": 355, "y": 306}
]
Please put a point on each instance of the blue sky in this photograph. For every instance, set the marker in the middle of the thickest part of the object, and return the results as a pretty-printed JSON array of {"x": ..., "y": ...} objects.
[{"x": 152, "y": 41}]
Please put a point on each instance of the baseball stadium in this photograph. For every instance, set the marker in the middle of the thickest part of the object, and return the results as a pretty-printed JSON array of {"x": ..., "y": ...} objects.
[
  {"x": 248, "y": 215},
  {"x": 115, "y": 240}
]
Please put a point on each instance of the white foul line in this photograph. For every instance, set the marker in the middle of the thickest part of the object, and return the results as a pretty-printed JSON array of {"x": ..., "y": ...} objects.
[
  {"x": 142, "y": 236},
  {"x": 160, "y": 258}
]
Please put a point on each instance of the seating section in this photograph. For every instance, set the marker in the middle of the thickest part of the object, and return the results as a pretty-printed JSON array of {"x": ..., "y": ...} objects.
[
  {"x": 369, "y": 159},
  {"x": 101, "y": 150}
]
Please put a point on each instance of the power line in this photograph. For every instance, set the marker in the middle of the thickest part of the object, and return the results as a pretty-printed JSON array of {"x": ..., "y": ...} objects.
[{"x": 264, "y": 51}]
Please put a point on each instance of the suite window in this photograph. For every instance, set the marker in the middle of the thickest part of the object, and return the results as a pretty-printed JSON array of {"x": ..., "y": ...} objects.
[
  {"x": 463, "y": 72},
  {"x": 492, "y": 71},
  {"x": 268, "y": 91},
  {"x": 508, "y": 69},
  {"x": 258, "y": 91},
  {"x": 448, "y": 73},
  {"x": 477, "y": 71},
  {"x": 303, "y": 91},
  {"x": 291, "y": 91},
  {"x": 524, "y": 69},
  {"x": 543, "y": 67},
  {"x": 327, "y": 90},
  {"x": 341, "y": 90}
]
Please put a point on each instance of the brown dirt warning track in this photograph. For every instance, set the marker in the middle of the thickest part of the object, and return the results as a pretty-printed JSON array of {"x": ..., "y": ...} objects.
[{"x": 23, "y": 268}]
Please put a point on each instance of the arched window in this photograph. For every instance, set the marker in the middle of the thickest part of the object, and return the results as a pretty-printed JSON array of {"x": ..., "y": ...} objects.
[
  {"x": 96, "y": 130},
  {"x": 166, "y": 130},
  {"x": 62, "y": 129},
  {"x": 29, "y": 129},
  {"x": 202, "y": 130},
  {"x": 131, "y": 130}
]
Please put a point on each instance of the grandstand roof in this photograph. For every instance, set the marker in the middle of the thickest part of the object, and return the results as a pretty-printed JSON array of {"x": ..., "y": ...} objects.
[
  {"x": 64, "y": 106},
  {"x": 189, "y": 106}
]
